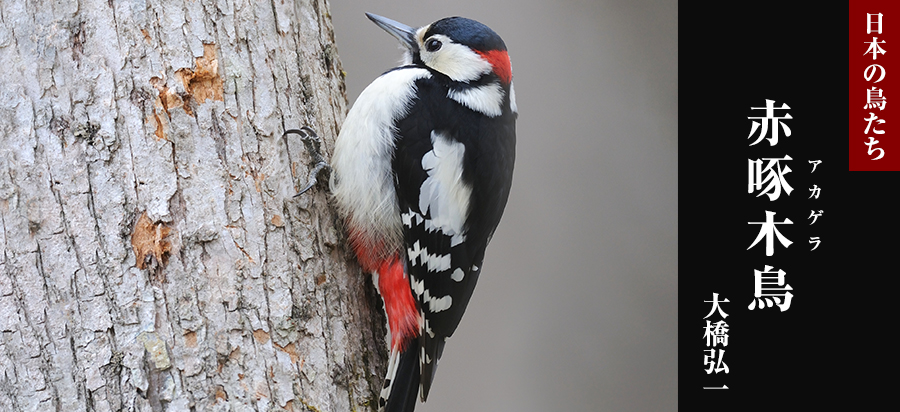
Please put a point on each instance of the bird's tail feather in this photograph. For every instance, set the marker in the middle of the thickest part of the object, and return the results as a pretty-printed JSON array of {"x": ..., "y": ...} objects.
[
  {"x": 434, "y": 348},
  {"x": 402, "y": 381}
]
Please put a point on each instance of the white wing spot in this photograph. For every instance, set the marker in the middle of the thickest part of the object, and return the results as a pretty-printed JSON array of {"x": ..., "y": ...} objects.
[
  {"x": 455, "y": 239},
  {"x": 411, "y": 219},
  {"x": 407, "y": 219},
  {"x": 423, "y": 358},
  {"x": 414, "y": 253},
  {"x": 436, "y": 263},
  {"x": 419, "y": 256},
  {"x": 457, "y": 275},
  {"x": 428, "y": 328},
  {"x": 437, "y": 304},
  {"x": 418, "y": 286},
  {"x": 443, "y": 193}
]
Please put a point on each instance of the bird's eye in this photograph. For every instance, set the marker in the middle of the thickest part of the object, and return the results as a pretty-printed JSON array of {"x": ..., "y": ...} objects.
[{"x": 433, "y": 45}]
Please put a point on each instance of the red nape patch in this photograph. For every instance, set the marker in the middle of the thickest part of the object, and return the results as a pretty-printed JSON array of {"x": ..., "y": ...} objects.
[
  {"x": 500, "y": 60},
  {"x": 403, "y": 317}
]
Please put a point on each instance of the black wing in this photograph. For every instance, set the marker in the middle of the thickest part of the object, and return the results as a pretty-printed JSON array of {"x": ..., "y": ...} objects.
[{"x": 443, "y": 267}]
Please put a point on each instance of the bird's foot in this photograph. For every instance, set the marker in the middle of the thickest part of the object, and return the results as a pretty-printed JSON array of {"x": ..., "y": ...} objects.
[{"x": 313, "y": 144}]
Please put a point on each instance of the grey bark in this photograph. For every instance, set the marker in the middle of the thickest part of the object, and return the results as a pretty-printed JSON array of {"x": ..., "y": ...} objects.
[{"x": 153, "y": 255}]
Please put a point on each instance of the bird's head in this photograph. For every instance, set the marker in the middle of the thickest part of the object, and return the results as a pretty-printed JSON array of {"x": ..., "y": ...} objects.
[{"x": 462, "y": 49}]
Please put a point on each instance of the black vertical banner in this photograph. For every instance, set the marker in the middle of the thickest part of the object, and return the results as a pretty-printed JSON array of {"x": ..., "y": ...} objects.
[{"x": 732, "y": 59}]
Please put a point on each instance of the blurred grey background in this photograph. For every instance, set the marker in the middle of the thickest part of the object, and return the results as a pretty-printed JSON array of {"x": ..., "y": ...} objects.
[{"x": 576, "y": 309}]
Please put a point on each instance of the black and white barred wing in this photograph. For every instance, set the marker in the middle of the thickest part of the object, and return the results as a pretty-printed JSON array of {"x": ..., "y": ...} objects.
[{"x": 434, "y": 206}]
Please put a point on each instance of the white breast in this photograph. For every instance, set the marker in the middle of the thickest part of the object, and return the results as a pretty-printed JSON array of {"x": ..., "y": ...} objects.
[{"x": 361, "y": 181}]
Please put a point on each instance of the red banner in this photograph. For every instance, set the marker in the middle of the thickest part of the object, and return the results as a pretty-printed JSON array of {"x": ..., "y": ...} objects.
[{"x": 874, "y": 79}]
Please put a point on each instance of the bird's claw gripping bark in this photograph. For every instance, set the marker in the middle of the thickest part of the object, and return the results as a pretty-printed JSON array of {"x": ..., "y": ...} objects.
[{"x": 313, "y": 144}]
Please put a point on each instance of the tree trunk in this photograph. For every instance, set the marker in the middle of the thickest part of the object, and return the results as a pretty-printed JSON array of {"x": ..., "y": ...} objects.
[{"x": 154, "y": 255}]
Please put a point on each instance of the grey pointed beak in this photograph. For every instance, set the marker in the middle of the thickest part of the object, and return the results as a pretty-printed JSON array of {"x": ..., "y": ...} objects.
[{"x": 404, "y": 33}]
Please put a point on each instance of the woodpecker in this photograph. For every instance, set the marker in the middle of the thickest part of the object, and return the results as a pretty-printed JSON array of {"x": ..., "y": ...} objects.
[{"x": 421, "y": 173}]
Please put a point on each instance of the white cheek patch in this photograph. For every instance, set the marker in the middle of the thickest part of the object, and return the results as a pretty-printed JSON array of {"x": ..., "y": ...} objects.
[
  {"x": 487, "y": 99},
  {"x": 456, "y": 61},
  {"x": 444, "y": 194}
]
